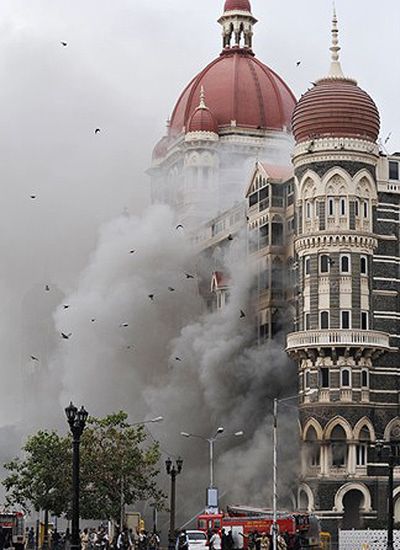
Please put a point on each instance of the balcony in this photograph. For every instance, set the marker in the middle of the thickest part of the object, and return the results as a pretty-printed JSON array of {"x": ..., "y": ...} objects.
[{"x": 337, "y": 338}]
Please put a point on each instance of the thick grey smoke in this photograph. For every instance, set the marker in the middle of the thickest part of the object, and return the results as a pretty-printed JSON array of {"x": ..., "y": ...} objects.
[{"x": 197, "y": 369}]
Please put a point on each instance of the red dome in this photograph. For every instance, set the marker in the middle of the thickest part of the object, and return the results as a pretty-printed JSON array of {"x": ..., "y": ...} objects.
[
  {"x": 242, "y": 5},
  {"x": 336, "y": 108},
  {"x": 238, "y": 88},
  {"x": 202, "y": 120}
]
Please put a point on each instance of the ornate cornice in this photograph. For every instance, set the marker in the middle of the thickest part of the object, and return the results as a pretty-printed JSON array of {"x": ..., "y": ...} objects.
[
  {"x": 334, "y": 240},
  {"x": 336, "y": 149}
]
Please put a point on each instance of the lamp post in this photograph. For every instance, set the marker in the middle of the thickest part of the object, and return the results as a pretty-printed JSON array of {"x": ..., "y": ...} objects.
[
  {"x": 211, "y": 441},
  {"x": 392, "y": 457},
  {"x": 276, "y": 402},
  {"x": 122, "y": 511},
  {"x": 173, "y": 470},
  {"x": 77, "y": 421}
]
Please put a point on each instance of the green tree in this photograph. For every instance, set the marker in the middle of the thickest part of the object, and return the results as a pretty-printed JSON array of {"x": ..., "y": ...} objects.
[
  {"x": 116, "y": 468},
  {"x": 41, "y": 479}
]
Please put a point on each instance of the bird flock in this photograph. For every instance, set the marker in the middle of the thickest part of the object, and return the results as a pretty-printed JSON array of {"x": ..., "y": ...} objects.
[{"x": 68, "y": 335}]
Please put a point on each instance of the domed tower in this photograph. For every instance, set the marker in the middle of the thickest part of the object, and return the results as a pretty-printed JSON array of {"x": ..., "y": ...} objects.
[
  {"x": 234, "y": 111},
  {"x": 348, "y": 385}
]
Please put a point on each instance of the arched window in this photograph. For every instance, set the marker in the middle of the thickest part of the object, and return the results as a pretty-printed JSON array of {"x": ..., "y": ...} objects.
[
  {"x": 366, "y": 209},
  {"x": 307, "y": 379},
  {"x": 343, "y": 206},
  {"x": 312, "y": 447},
  {"x": 324, "y": 320},
  {"x": 345, "y": 319},
  {"x": 338, "y": 447},
  {"x": 307, "y": 265},
  {"x": 345, "y": 378},
  {"x": 324, "y": 263},
  {"x": 345, "y": 263},
  {"x": 365, "y": 378},
  {"x": 362, "y": 447},
  {"x": 308, "y": 210},
  {"x": 357, "y": 208},
  {"x": 364, "y": 265},
  {"x": 331, "y": 207}
]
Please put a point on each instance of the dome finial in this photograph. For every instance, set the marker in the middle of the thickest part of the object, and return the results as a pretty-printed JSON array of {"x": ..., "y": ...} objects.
[
  {"x": 336, "y": 68},
  {"x": 202, "y": 99}
]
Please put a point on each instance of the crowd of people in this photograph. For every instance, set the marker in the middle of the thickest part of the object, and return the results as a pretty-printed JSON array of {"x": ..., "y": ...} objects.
[
  {"x": 94, "y": 539},
  {"x": 224, "y": 540}
]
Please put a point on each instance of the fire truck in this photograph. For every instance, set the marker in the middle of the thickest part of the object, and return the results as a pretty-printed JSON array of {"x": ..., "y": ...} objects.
[
  {"x": 13, "y": 524},
  {"x": 243, "y": 521}
]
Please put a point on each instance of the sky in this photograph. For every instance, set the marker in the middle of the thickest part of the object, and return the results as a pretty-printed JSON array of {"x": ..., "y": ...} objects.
[{"x": 122, "y": 71}]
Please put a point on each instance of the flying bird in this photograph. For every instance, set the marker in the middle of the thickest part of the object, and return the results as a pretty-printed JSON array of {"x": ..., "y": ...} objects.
[
  {"x": 66, "y": 306},
  {"x": 151, "y": 296},
  {"x": 171, "y": 289},
  {"x": 189, "y": 276},
  {"x": 97, "y": 131},
  {"x": 47, "y": 288},
  {"x": 66, "y": 336},
  {"x": 242, "y": 314},
  {"x": 64, "y": 44},
  {"x": 178, "y": 359},
  {"x": 298, "y": 63},
  {"x": 129, "y": 347},
  {"x": 33, "y": 197},
  {"x": 179, "y": 226},
  {"x": 93, "y": 320},
  {"x": 124, "y": 325},
  {"x": 132, "y": 251},
  {"x": 34, "y": 358}
]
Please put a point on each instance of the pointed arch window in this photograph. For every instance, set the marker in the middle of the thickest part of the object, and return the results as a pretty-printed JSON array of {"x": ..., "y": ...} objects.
[
  {"x": 338, "y": 447},
  {"x": 312, "y": 447}
]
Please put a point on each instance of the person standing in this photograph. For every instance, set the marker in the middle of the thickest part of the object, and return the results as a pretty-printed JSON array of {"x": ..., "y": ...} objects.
[
  {"x": 264, "y": 542},
  {"x": 124, "y": 541},
  {"x": 85, "y": 539},
  {"x": 281, "y": 543},
  {"x": 215, "y": 541}
]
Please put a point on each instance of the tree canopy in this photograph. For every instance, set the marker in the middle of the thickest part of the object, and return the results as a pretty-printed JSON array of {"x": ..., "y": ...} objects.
[{"x": 117, "y": 465}]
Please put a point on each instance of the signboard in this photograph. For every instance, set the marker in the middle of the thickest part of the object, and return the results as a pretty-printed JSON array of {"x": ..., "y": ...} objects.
[{"x": 212, "y": 499}]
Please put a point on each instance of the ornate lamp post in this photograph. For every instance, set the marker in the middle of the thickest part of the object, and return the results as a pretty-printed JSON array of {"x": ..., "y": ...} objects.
[
  {"x": 77, "y": 421},
  {"x": 173, "y": 470},
  {"x": 389, "y": 452}
]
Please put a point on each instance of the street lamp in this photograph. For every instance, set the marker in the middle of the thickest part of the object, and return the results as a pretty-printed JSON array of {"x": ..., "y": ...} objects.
[
  {"x": 173, "y": 470},
  {"x": 77, "y": 421},
  {"x": 275, "y": 465},
  {"x": 211, "y": 441},
  {"x": 392, "y": 457}
]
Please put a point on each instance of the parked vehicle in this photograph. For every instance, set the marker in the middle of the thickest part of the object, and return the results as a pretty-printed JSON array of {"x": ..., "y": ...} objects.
[
  {"x": 197, "y": 540},
  {"x": 243, "y": 521},
  {"x": 13, "y": 524}
]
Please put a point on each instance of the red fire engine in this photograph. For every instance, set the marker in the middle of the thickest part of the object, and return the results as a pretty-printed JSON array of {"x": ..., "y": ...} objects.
[
  {"x": 13, "y": 524},
  {"x": 243, "y": 521}
]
